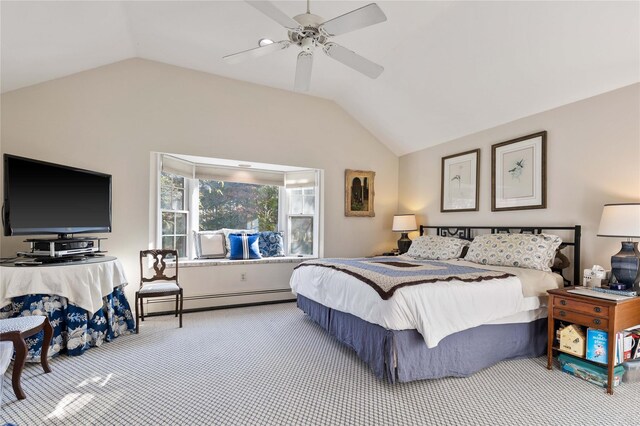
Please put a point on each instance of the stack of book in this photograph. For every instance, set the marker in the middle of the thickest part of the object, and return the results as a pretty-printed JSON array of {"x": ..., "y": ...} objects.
[
  {"x": 634, "y": 334},
  {"x": 627, "y": 345}
]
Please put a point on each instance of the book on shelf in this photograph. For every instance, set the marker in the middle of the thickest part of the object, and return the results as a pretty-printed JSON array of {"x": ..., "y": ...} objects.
[
  {"x": 626, "y": 346},
  {"x": 597, "y": 345},
  {"x": 634, "y": 334}
]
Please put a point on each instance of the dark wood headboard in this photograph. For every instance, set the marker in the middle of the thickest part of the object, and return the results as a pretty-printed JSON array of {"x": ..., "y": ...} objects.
[{"x": 468, "y": 232}]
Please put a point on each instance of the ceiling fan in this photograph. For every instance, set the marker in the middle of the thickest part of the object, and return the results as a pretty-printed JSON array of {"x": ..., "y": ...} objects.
[{"x": 310, "y": 31}]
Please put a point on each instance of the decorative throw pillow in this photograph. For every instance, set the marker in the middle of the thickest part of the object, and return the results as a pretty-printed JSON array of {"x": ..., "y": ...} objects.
[
  {"x": 210, "y": 244},
  {"x": 244, "y": 246},
  {"x": 531, "y": 251},
  {"x": 228, "y": 231},
  {"x": 433, "y": 247},
  {"x": 271, "y": 244}
]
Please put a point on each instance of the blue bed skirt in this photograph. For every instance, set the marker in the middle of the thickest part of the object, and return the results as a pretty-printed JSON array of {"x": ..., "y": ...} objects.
[
  {"x": 74, "y": 329},
  {"x": 403, "y": 356}
]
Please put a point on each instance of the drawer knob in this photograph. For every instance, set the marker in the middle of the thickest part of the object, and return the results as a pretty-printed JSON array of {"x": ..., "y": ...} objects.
[
  {"x": 597, "y": 309},
  {"x": 563, "y": 302},
  {"x": 563, "y": 313},
  {"x": 596, "y": 321}
]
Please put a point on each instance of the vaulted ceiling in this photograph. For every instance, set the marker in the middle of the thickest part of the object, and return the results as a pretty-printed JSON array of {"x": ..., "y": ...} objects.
[{"x": 451, "y": 68}]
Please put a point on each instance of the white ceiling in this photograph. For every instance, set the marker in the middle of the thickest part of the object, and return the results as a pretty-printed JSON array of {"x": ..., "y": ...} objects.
[{"x": 451, "y": 68}]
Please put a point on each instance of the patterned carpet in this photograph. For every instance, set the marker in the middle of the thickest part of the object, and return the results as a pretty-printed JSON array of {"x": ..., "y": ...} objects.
[{"x": 270, "y": 365}]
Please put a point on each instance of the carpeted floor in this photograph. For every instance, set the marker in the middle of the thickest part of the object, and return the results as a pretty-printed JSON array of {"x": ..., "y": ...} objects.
[{"x": 270, "y": 365}]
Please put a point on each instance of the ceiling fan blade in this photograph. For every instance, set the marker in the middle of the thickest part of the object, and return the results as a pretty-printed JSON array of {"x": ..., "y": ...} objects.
[
  {"x": 353, "y": 60},
  {"x": 354, "y": 20},
  {"x": 256, "y": 52},
  {"x": 303, "y": 72},
  {"x": 274, "y": 13}
]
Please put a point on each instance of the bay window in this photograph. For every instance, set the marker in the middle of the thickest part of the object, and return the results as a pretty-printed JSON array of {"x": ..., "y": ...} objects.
[{"x": 206, "y": 194}]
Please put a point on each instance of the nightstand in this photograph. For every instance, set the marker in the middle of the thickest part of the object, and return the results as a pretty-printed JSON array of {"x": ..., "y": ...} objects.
[{"x": 611, "y": 316}]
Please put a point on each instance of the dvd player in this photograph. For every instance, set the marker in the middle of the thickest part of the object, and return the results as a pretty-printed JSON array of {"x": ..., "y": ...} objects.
[{"x": 58, "y": 248}]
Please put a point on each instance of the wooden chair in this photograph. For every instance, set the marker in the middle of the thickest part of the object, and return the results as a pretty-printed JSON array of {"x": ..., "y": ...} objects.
[
  {"x": 160, "y": 285},
  {"x": 16, "y": 330}
]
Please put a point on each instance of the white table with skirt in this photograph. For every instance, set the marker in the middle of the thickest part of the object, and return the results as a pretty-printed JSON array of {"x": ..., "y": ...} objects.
[{"x": 84, "y": 301}]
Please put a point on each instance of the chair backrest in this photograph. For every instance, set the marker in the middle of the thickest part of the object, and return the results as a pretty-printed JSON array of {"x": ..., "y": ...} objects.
[{"x": 159, "y": 265}]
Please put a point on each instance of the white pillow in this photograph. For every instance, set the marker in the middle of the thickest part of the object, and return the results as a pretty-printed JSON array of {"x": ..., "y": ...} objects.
[
  {"x": 210, "y": 244},
  {"x": 433, "y": 247},
  {"x": 531, "y": 251}
]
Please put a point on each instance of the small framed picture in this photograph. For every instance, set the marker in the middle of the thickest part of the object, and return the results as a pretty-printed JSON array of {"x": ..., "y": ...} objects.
[
  {"x": 459, "y": 182},
  {"x": 359, "y": 193},
  {"x": 519, "y": 173}
]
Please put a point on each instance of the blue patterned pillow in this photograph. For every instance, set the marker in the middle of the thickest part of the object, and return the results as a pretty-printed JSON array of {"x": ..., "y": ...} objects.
[
  {"x": 271, "y": 244},
  {"x": 243, "y": 246}
]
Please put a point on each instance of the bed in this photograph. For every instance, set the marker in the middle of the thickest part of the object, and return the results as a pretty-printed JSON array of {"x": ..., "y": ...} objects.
[{"x": 454, "y": 318}]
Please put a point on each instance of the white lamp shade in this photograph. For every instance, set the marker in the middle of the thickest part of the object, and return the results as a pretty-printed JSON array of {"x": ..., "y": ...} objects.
[
  {"x": 404, "y": 223},
  {"x": 620, "y": 220}
]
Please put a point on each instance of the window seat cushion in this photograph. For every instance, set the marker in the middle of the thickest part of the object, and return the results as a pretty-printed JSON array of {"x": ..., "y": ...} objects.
[{"x": 227, "y": 262}]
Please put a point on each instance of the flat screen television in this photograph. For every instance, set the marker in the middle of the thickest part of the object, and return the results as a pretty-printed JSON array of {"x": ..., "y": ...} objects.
[{"x": 45, "y": 198}]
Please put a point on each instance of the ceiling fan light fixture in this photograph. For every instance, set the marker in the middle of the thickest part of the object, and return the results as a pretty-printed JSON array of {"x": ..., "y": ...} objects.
[
  {"x": 308, "y": 32},
  {"x": 308, "y": 44}
]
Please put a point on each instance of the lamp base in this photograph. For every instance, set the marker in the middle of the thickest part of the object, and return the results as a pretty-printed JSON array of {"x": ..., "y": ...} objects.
[
  {"x": 404, "y": 243},
  {"x": 625, "y": 265}
]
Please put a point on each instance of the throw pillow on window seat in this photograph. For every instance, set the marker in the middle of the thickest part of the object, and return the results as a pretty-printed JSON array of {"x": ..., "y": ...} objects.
[
  {"x": 271, "y": 244},
  {"x": 244, "y": 246},
  {"x": 228, "y": 231},
  {"x": 210, "y": 244}
]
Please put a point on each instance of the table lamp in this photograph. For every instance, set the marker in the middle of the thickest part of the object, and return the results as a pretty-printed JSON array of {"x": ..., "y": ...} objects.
[
  {"x": 623, "y": 220},
  {"x": 404, "y": 223}
]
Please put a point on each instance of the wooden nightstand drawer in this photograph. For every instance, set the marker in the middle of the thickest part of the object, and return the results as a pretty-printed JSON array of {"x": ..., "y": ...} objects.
[
  {"x": 581, "y": 319},
  {"x": 599, "y": 310}
]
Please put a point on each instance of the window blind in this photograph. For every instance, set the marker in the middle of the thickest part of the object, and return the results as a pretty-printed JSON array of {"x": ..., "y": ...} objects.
[
  {"x": 177, "y": 166},
  {"x": 234, "y": 174},
  {"x": 300, "y": 179}
]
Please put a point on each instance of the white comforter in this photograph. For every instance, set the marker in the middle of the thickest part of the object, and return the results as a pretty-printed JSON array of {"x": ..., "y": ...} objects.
[{"x": 436, "y": 310}]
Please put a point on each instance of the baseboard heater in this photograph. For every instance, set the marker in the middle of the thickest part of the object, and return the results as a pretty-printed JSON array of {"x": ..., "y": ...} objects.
[{"x": 218, "y": 296}]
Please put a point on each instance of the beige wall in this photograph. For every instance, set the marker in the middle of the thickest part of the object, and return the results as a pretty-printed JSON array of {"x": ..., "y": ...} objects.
[
  {"x": 593, "y": 158},
  {"x": 109, "y": 119}
]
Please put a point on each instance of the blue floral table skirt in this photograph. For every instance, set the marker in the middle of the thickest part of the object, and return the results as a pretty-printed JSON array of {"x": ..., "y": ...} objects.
[{"x": 74, "y": 329}]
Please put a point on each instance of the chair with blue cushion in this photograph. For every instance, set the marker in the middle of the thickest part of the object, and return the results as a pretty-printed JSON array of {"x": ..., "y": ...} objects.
[
  {"x": 161, "y": 284},
  {"x": 16, "y": 330}
]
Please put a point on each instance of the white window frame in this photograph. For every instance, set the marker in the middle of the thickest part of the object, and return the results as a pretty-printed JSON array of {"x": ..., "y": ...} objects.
[
  {"x": 187, "y": 194},
  {"x": 285, "y": 219}
]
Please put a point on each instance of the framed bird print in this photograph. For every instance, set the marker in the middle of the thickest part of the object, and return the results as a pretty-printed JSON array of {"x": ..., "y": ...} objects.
[
  {"x": 459, "y": 182},
  {"x": 519, "y": 173}
]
